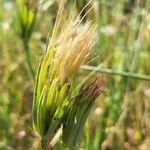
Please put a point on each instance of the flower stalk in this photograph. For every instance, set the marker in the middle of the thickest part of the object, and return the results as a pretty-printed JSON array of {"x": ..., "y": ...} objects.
[{"x": 25, "y": 24}]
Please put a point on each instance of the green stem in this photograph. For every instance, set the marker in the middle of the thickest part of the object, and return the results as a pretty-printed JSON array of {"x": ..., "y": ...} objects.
[
  {"x": 28, "y": 60},
  {"x": 113, "y": 72},
  {"x": 45, "y": 144}
]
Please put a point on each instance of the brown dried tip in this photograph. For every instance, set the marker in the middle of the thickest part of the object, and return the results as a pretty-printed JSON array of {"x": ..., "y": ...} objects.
[
  {"x": 93, "y": 90},
  {"x": 97, "y": 87}
]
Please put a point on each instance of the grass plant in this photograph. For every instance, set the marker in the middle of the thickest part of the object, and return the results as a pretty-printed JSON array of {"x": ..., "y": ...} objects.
[{"x": 60, "y": 104}]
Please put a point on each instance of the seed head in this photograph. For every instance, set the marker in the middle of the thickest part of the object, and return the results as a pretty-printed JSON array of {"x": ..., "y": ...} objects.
[{"x": 73, "y": 46}]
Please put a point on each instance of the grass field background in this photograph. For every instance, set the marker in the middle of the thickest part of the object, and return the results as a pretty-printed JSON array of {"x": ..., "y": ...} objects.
[{"x": 120, "y": 118}]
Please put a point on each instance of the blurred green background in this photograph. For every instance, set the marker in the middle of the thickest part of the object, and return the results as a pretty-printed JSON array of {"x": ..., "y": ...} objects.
[{"x": 120, "y": 118}]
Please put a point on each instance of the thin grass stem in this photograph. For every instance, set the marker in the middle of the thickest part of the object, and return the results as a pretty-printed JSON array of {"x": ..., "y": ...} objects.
[
  {"x": 28, "y": 60},
  {"x": 113, "y": 72}
]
